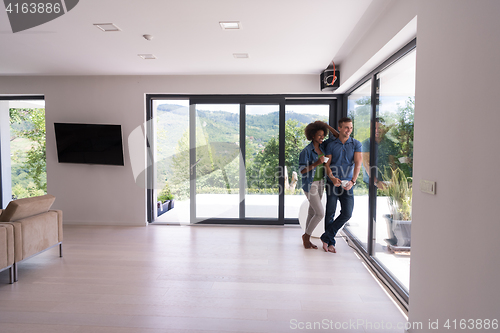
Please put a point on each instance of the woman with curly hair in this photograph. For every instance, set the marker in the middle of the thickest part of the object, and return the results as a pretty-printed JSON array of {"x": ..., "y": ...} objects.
[{"x": 312, "y": 169}]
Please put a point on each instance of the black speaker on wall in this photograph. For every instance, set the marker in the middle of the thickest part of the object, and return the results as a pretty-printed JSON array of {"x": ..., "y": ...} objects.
[{"x": 329, "y": 79}]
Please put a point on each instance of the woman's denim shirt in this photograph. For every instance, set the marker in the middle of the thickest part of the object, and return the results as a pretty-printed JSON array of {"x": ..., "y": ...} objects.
[{"x": 307, "y": 157}]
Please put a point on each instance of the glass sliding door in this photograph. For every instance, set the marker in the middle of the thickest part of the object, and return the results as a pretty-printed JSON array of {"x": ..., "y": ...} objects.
[
  {"x": 297, "y": 117},
  {"x": 359, "y": 110},
  {"x": 394, "y": 166},
  {"x": 382, "y": 109},
  {"x": 226, "y": 159},
  {"x": 171, "y": 150},
  {"x": 261, "y": 161},
  {"x": 217, "y": 161},
  {"x": 197, "y": 161}
]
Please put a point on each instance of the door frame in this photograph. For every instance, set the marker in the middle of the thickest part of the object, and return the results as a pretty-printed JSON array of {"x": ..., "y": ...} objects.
[
  {"x": 5, "y": 158},
  {"x": 333, "y": 100}
]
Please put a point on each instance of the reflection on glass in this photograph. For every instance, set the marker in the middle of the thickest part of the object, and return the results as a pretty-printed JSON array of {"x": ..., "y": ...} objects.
[
  {"x": 261, "y": 161},
  {"x": 359, "y": 110},
  {"x": 217, "y": 160},
  {"x": 394, "y": 166},
  {"x": 296, "y": 119},
  {"x": 172, "y": 160}
]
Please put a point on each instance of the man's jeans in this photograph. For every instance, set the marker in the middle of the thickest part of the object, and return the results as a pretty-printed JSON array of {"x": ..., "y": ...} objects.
[{"x": 346, "y": 199}]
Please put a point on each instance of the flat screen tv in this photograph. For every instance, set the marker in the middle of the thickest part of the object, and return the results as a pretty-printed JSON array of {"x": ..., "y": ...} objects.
[{"x": 89, "y": 143}]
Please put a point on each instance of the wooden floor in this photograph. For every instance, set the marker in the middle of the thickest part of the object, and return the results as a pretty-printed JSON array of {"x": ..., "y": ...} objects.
[{"x": 180, "y": 279}]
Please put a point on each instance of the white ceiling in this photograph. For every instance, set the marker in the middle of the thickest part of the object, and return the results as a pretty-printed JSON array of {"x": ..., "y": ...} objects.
[{"x": 280, "y": 36}]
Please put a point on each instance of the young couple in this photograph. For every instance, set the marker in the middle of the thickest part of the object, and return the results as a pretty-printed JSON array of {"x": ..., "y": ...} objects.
[{"x": 338, "y": 160}]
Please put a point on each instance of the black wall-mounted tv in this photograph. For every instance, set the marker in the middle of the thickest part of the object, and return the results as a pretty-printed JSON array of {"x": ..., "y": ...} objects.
[{"x": 89, "y": 143}]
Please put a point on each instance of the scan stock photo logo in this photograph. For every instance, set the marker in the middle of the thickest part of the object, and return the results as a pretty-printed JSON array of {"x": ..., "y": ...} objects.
[{"x": 26, "y": 14}]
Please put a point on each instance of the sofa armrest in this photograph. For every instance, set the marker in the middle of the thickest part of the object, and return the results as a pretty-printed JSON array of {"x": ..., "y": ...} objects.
[
  {"x": 59, "y": 222},
  {"x": 35, "y": 234},
  {"x": 6, "y": 245},
  {"x": 18, "y": 239}
]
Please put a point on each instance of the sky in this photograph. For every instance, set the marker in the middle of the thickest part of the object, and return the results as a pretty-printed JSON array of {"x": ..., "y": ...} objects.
[{"x": 253, "y": 109}]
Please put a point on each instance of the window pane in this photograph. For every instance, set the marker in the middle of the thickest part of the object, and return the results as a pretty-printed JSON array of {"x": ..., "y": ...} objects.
[
  {"x": 394, "y": 149},
  {"x": 27, "y": 148},
  {"x": 296, "y": 119},
  {"x": 218, "y": 160},
  {"x": 359, "y": 110},
  {"x": 261, "y": 161},
  {"x": 172, "y": 160}
]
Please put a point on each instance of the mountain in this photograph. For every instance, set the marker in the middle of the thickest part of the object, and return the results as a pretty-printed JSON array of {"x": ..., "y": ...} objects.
[{"x": 218, "y": 126}]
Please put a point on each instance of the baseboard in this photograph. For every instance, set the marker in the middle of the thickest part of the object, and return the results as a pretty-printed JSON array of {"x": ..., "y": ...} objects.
[{"x": 106, "y": 223}]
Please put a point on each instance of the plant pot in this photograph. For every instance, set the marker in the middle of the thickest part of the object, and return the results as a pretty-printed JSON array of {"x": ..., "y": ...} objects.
[
  {"x": 164, "y": 207},
  {"x": 399, "y": 232},
  {"x": 171, "y": 205},
  {"x": 392, "y": 240}
]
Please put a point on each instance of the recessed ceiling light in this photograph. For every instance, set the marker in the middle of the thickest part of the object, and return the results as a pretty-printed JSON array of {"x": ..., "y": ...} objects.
[
  {"x": 225, "y": 25},
  {"x": 147, "y": 56},
  {"x": 107, "y": 27},
  {"x": 240, "y": 55}
]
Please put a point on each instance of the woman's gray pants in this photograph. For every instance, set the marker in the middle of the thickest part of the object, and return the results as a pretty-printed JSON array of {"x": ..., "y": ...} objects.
[{"x": 316, "y": 212}]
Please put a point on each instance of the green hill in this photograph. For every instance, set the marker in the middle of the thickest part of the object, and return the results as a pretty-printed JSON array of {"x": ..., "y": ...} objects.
[{"x": 172, "y": 123}]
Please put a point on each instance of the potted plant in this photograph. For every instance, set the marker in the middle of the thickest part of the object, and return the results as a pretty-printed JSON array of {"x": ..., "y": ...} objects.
[
  {"x": 165, "y": 200},
  {"x": 399, "y": 192}
]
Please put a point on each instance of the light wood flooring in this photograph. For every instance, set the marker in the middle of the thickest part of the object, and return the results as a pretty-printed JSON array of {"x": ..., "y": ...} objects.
[{"x": 181, "y": 279}]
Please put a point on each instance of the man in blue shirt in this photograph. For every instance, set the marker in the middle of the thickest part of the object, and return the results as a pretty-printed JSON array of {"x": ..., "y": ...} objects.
[
  {"x": 384, "y": 158},
  {"x": 342, "y": 168}
]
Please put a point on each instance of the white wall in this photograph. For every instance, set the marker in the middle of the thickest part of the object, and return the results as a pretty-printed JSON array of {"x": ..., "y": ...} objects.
[
  {"x": 394, "y": 27},
  {"x": 455, "y": 266},
  {"x": 108, "y": 195}
]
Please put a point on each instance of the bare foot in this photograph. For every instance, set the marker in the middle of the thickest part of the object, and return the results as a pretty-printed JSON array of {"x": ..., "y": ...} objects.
[
  {"x": 305, "y": 241},
  {"x": 331, "y": 248},
  {"x": 325, "y": 247}
]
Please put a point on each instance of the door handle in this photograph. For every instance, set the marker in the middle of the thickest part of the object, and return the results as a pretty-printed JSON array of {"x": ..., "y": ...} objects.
[{"x": 193, "y": 165}]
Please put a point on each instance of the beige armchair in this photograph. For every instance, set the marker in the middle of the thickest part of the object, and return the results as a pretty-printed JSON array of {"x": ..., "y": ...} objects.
[{"x": 35, "y": 227}]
